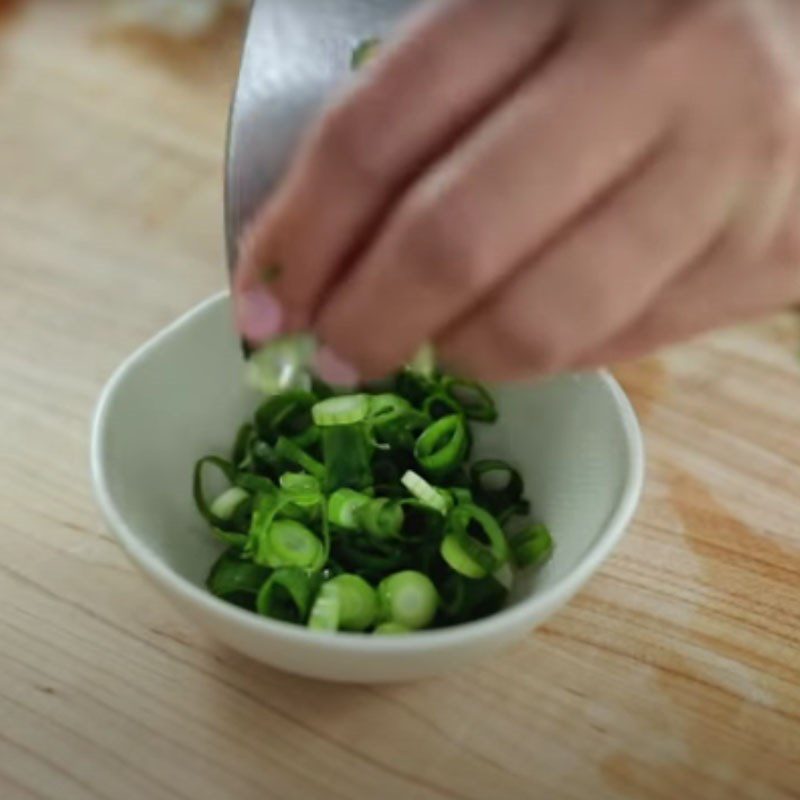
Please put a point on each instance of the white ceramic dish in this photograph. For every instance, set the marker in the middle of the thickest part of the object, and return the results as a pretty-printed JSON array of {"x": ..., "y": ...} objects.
[{"x": 575, "y": 438}]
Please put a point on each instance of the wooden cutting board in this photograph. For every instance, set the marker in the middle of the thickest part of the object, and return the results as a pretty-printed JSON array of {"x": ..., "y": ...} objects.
[{"x": 674, "y": 674}]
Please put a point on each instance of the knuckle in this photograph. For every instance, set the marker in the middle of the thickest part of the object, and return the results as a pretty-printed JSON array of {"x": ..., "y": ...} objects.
[
  {"x": 346, "y": 138},
  {"x": 541, "y": 346},
  {"x": 443, "y": 249}
]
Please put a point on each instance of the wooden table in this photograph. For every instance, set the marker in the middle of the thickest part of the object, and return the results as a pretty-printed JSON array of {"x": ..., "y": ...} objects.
[{"x": 675, "y": 674}]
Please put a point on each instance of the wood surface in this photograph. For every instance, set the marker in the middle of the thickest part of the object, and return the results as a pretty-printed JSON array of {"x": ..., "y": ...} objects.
[{"x": 674, "y": 674}]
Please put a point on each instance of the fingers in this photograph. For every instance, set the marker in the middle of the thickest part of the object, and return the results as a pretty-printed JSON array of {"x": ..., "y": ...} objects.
[
  {"x": 489, "y": 205},
  {"x": 605, "y": 270},
  {"x": 702, "y": 299},
  {"x": 457, "y": 60}
]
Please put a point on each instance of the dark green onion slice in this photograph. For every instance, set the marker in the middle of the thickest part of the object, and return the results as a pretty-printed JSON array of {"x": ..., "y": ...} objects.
[
  {"x": 294, "y": 454},
  {"x": 442, "y": 446},
  {"x": 286, "y": 595},
  {"x": 408, "y": 598},
  {"x": 348, "y": 454},
  {"x": 477, "y": 536},
  {"x": 532, "y": 546},
  {"x": 496, "y": 484},
  {"x": 473, "y": 399},
  {"x": 464, "y": 599},
  {"x": 235, "y": 579},
  {"x": 287, "y": 414}
]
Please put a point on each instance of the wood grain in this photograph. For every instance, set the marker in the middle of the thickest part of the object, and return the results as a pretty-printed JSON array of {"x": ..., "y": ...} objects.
[{"x": 676, "y": 673}]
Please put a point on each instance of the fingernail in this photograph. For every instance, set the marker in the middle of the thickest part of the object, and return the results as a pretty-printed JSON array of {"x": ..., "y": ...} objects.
[
  {"x": 258, "y": 314},
  {"x": 334, "y": 369}
]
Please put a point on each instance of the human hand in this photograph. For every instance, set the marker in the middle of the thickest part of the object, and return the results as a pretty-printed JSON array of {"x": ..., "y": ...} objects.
[{"x": 536, "y": 185}]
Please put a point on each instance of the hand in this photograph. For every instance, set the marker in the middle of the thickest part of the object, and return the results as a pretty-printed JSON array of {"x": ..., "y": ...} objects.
[{"x": 535, "y": 185}]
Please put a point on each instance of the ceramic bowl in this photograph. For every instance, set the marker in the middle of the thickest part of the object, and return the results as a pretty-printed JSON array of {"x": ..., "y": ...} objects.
[{"x": 181, "y": 396}]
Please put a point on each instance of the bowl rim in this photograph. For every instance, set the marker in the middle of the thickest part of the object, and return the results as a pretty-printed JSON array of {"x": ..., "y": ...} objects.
[{"x": 506, "y": 620}]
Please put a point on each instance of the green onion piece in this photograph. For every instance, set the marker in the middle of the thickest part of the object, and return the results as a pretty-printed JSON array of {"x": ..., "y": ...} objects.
[
  {"x": 242, "y": 446},
  {"x": 461, "y": 495},
  {"x": 358, "y": 602},
  {"x": 281, "y": 364},
  {"x": 531, "y": 547},
  {"x": 348, "y": 455},
  {"x": 408, "y": 598},
  {"x": 424, "y": 362},
  {"x": 496, "y": 484},
  {"x": 383, "y": 407},
  {"x": 231, "y": 538},
  {"x": 479, "y": 535},
  {"x": 391, "y": 629},
  {"x": 289, "y": 451},
  {"x": 474, "y": 400},
  {"x": 287, "y": 414},
  {"x": 325, "y": 612},
  {"x": 301, "y": 488},
  {"x": 344, "y": 410},
  {"x": 440, "y": 405},
  {"x": 429, "y": 495},
  {"x": 203, "y": 506},
  {"x": 442, "y": 446},
  {"x": 468, "y": 564},
  {"x": 286, "y": 595},
  {"x": 236, "y": 580},
  {"x": 288, "y": 543},
  {"x": 465, "y": 599},
  {"x": 227, "y": 504},
  {"x": 342, "y": 507},
  {"x": 381, "y": 517},
  {"x": 364, "y": 52}
]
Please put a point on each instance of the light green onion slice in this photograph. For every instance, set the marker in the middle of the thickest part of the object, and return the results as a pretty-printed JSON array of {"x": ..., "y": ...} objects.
[
  {"x": 281, "y": 364},
  {"x": 391, "y": 629},
  {"x": 358, "y": 602},
  {"x": 225, "y": 505},
  {"x": 343, "y": 505},
  {"x": 325, "y": 612},
  {"x": 344, "y": 410},
  {"x": 289, "y": 543},
  {"x": 459, "y": 560},
  {"x": 428, "y": 495},
  {"x": 408, "y": 598}
]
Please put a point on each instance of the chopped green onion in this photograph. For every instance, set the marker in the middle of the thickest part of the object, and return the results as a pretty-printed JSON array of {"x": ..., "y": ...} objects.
[
  {"x": 424, "y": 362},
  {"x": 344, "y": 410},
  {"x": 288, "y": 544},
  {"x": 382, "y": 517},
  {"x": 326, "y": 610},
  {"x": 468, "y": 564},
  {"x": 358, "y": 602},
  {"x": 287, "y": 414},
  {"x": 226, "y": 469},
  {"x": 226, "y": 504},
  {"x": 496, "y": 484},
  {"x": 301, "y": 488},
  {"x": 461, "y": 495},
  {"x": 364, "y": 52},
  {"x": 391, "y": 629},
  {"x": 429, "y": 495},
  {"x": 441, "y": 447},
  {"x": 286, "y": 595},
  {"x": 343, "y": 505},
  {"x": 281, "y": 364},
  {"x": 289, "y": 451},
  {"x": 480, "y": 537},
  {"x": 532, "y": 546},
  {"x": 347, "y": 454},
  {"x": 236, "y": 580},
  {"x": 408, "y": 598},
  {"x": 475, "y": 402}
]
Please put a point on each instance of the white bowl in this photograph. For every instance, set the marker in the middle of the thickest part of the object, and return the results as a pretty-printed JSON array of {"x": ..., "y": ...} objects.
[{"x": 575, "y": 439}]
